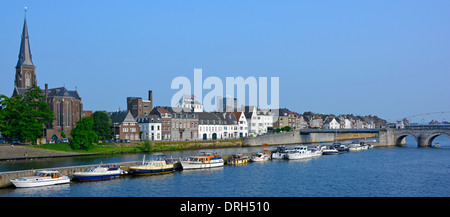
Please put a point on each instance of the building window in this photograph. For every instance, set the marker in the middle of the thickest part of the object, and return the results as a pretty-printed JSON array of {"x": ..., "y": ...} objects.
[
  {"x": 58, "y": 113},
  {"x": 67, "y": 114}
]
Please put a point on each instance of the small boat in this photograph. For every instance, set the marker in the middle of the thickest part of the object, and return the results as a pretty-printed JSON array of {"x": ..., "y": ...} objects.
[
  {"x": 330, "y": 150},
  {"x": 159, "y": 164},
  {"x": 238, "y": 159},
  {"x": 204, "y": 160},
  {"x": 341, "y": 147},
  {"x": 302, "y": 152},
  {"x": 369, "y": 145},
  {"x": 356, "y": 146},
  {"x": 279, "y": 153},
  {"x": 41, "y": 178},
  {"x": 260, "y": 157},
  {"x": 437, "y": 145},
  {"x": 101, "y": 172}
]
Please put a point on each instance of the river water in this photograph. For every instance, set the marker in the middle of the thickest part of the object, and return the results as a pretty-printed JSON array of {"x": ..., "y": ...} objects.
[{"x": 380, "y": 172}]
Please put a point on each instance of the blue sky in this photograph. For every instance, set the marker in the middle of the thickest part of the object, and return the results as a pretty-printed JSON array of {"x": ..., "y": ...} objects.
[{"x": 385, "y": 58}]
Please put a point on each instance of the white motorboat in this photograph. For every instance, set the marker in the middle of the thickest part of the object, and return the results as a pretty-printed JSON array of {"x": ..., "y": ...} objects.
[
  {"x": 260, "y": 157},
  {"x": 42, "y": 178},
  {"x": 302, "y": 152},
  {"x": 356, "y": 146},
  {"x": 279, "y": 153},
  {"x": 204, "y": 160},
  {"x": 102, "y": 172},
  {"x": 159, "y": 164}
]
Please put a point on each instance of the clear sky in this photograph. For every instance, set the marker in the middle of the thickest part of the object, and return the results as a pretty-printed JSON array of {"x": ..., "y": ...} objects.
[{"x": 386, "y": 58}]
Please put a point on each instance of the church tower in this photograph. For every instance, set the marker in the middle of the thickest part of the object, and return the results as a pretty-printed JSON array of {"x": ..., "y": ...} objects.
[{"x": 25, "y": 70}]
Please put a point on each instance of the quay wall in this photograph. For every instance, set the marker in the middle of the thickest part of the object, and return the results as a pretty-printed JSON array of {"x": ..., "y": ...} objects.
[
  {"x": 5, "y": 176},
  {"x": 69, "y": 171},
  {"x": 294, "y": 137}
]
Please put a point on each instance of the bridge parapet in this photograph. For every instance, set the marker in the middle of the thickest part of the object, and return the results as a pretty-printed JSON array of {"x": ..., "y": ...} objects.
[{"x": 423, "y": 136}]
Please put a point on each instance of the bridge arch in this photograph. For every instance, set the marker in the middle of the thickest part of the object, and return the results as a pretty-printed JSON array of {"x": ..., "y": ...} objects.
[
  {"x": 399, "y": 138},
  {"x": 429, "y": 139}
]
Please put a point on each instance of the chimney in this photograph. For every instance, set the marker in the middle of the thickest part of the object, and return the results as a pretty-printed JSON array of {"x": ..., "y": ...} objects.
[
  {"x": 150, "y": 96},
  {"x": 46, "y": 92}
]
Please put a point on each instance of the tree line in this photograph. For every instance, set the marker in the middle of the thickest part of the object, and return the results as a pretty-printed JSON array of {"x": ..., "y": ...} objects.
[{"x": 25, "y": 117}]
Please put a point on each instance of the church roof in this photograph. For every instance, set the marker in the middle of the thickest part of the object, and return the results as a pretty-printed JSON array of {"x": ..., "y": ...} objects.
[
  {"x": 63, "y": 92},
  {"x": 25, "y": 52}
]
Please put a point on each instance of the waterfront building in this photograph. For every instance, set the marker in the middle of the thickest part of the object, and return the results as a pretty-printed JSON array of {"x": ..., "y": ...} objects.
[
  {"x": 265, "y": 117},
  {"x": 138, "y": 106},
  {"x": 331, "y": 123},
  {"x": 288, "y": 118},
  {"x": 65, "y": 104},
  {"x": 166, "y": 121},
  {"x": 230, "y": 125},
  {"x": 347, "y": 121},
  {"x": 149, "y": 126},
  {"x": 210, "y": 126},
  {"x": 124, "y": 125},
  {"x": 242, "y": 124},
  {"x": 184, "y": 124}
]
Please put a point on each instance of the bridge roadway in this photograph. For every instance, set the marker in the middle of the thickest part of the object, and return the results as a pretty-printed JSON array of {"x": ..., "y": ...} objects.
[{"x": 423, "y": 134}]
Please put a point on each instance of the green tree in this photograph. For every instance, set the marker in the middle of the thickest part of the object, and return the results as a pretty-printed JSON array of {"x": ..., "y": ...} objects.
[
  {"x": 148, "y": 145},
  {"x": 24, "y": 116},
  {"x": 83, "y": 135},
  {"x": 102, "y": 125}
]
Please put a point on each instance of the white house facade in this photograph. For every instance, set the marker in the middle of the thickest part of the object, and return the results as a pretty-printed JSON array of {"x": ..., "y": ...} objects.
[{"x": 150, "y": 127}]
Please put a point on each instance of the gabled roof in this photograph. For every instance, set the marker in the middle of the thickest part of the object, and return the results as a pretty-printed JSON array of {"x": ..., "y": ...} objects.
[{"x": 120, "y": 117}]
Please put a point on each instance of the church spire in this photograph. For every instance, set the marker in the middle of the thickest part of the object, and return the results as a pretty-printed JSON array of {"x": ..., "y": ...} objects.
[
  {"x": 25, "y": 70},
  {"x": 25, "y": 52}
]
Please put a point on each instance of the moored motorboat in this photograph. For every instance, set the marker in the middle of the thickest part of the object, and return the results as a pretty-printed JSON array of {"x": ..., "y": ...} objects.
[
  {"x": 356, "y": 146},
  {"x": 279, "y": 153},
  {"x": 341, "y": 147},
  {"x": 260, "y": 157},
  {"x": 159, "y": 164},
  {"x": 238, "y": 159},
  {"x": 41, "y": 178},
  {"x": 330, "y": 150},
  {"x": 101, "y": 172},
  {"x": 204, "y": 160},
  {"x": 302, "y": 152}
]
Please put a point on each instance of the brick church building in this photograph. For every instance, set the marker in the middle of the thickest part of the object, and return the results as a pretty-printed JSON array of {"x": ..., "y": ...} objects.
[{"x": 65, "y": 104}]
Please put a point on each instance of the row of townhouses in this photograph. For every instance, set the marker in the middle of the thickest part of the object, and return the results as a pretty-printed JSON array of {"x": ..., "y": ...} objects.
[{"x": 188, "y": 121}]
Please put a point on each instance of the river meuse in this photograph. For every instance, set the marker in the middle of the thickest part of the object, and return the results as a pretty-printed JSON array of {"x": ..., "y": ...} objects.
[{"x": 396, "y": 171}]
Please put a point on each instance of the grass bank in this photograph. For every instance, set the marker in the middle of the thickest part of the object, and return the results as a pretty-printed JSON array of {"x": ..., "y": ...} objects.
[{"x": 138, "y": 147}]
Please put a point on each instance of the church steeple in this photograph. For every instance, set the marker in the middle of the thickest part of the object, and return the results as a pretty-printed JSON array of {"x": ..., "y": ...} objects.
[
  {"x": 25, "y": 52},
  {"x": 25, "y": 69}
]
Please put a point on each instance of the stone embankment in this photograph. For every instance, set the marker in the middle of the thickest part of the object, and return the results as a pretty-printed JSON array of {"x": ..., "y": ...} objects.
[{"x": 296, "y": 137}]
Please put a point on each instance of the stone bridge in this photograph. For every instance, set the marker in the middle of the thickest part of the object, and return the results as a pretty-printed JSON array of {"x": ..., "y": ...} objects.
[{"x": 424, "y": 136}]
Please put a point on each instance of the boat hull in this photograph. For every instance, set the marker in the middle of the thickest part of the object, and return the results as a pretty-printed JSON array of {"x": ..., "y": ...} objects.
[
  {"x": 238, "y": 162},
  {"x": 96, "y": 177},
  {"x": 279, "y": 155},
  {"x": 187, "y": 165},
  {"x": 33, "y": 182},
  {"x": 150, "y": 171},
  {"x": 296, "y": 156},
  {"x": 330, "y": 152}
]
